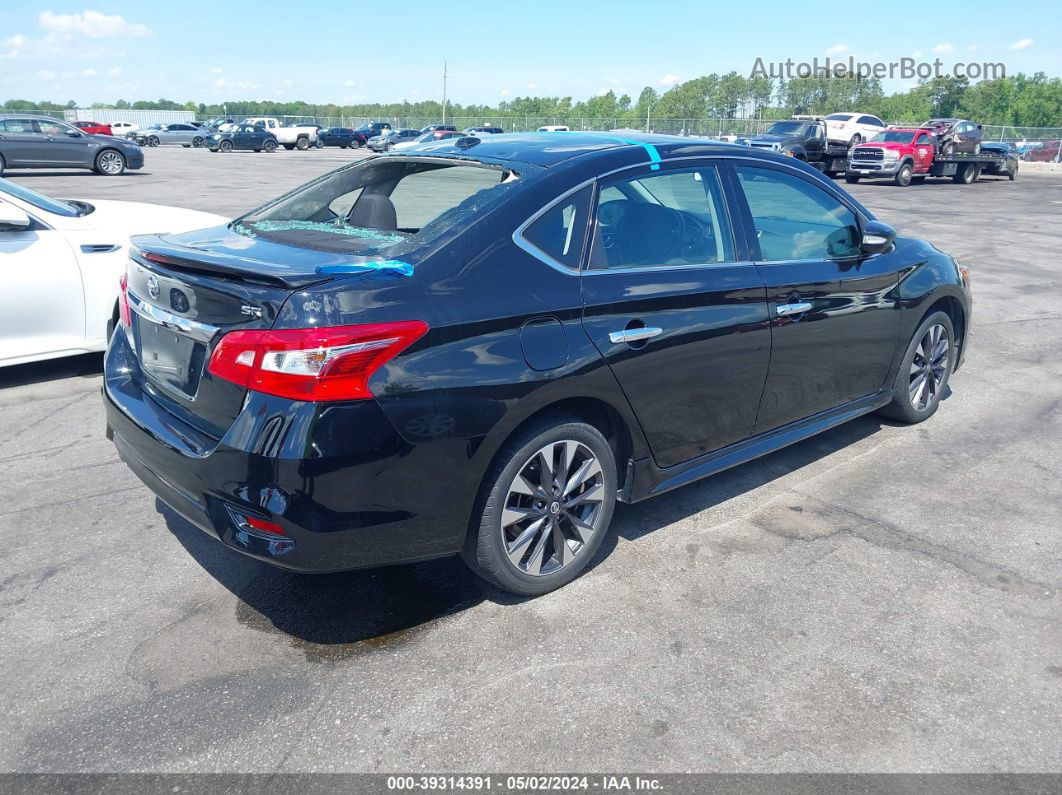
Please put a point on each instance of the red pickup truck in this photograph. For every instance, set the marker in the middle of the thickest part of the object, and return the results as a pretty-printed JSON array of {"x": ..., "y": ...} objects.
[{"x": 910, "y": 154}]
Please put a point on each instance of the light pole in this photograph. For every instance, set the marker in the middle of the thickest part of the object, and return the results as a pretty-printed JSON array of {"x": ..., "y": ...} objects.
[{"x": 444, "y": 93}]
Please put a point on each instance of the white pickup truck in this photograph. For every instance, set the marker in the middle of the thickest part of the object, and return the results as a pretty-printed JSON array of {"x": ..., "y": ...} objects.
[{"x": 297, "y": 137}]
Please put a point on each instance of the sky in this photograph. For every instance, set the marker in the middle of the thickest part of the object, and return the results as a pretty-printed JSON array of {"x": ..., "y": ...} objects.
[{"x": 350, "y": 53}]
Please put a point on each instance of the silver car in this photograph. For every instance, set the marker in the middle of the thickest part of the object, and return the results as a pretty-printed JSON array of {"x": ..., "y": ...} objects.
[{"x": 184, "y": 134}]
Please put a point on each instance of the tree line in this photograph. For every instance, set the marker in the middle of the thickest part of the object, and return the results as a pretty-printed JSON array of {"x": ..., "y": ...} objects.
[{"x": 1018, "y": 100}]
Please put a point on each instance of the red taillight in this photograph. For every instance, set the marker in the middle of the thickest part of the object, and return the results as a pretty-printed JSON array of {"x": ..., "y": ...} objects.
[
  {"x": 312, "y": 364},
  {"x": 124, "y": 314},
  {"x": 262, "y": 526}
]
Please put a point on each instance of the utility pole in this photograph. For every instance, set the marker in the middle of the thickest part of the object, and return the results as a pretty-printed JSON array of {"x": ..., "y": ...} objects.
[
  {"x": 648, "y": 110},
  {"x": 444, "y": 92}
]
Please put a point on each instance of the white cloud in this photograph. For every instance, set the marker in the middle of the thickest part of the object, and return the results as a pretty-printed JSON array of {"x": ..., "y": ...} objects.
[
  {"x": 15, "y": 41},
  {"x": 532, "y": 86},
  {"x": 240, "y": 85},
  {"x": 916, "y": 54},
  {"x": 944, "y": 49},
  {"x": 88, "y": 72},
  {"x": 349, "y": 83},
  {"x": 1021, "y": 44},
  {"x": 91, "y": 23},
  {"x": 668, "y": 80},
  {"x": 216, "y": 70},
  {"x": 837, "y": 49},
  {"x": 115, "y": 71},
  {"x": 505, "y": 92},
  {"x": 46, "y": 74},
  {"x": 972, "y": 48}
]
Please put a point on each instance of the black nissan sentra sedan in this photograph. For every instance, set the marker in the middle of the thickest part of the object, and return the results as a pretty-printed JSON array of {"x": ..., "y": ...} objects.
[{"x": 479, "y": 346}]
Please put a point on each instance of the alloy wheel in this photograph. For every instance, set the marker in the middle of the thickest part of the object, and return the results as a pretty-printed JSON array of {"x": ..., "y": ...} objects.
[
  {"x": 111, "y": 163},
  {"x": 553, "y": 508},
  {"x": 929, "y": 367}
]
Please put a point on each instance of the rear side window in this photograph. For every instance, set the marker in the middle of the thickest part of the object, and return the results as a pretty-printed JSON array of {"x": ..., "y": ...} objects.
[
  {"x": 796, "y": 220},
  {"x": 662, "y": 219},
  {"x": 19, "y": 126},
  {"x": 560, "y": 232}
]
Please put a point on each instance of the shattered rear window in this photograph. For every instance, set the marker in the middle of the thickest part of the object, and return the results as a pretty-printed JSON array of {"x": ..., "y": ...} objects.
[{"x": 383, "y": 207}]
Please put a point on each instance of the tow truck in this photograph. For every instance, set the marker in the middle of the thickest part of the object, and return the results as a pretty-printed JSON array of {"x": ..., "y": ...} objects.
[
  {"x": 910, "y": 154},
  {"x": 804, "y": 138}
]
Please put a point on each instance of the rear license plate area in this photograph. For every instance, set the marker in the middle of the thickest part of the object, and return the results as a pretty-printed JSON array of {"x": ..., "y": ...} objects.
[{"x": 170, "y": 358}]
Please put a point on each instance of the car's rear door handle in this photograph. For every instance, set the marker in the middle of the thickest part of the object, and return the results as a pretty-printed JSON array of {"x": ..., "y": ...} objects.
[
  {"x": 634, "y": 334},
  {"x": 798, "y": 308}
]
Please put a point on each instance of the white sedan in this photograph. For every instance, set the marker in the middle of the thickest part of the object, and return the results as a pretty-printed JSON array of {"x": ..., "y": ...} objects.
[
  {"x": 852, "y": 128},
  {"x": 60, "y": 262}
]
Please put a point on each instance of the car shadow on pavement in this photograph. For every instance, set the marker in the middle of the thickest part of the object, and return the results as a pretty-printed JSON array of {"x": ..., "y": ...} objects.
[
  {"x": 85, "y": 365},
  {"x": 333, "y": 616}
]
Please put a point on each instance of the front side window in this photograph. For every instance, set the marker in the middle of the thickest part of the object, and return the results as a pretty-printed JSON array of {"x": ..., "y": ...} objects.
[
  {"x": 560, "y": 232},
  {"x": 662, "y": 219},
  {"x": 54, "y": 128},
  {"x": 796, "y": 220}
]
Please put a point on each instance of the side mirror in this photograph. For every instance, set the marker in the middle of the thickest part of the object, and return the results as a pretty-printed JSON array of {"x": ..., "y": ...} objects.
[
  {"x": 12, "y": 219},
  {"x": 877, "y": 237},
  {"x": 73, "y": 134}
]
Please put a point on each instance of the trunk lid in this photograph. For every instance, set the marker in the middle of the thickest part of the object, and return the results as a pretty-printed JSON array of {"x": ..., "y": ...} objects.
[{"x": 184, "y": 299}]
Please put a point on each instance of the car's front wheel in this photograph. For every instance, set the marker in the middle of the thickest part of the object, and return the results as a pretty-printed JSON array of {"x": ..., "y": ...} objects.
[
  {"x": 851, "y": 179},
  {"x": 544, "y": 507},
  {"x": 152, "y": 141},
  {"x": 904, "y": 175},
  {"x": 924, "y": 371},
  {"x": 110, "y": 163}
]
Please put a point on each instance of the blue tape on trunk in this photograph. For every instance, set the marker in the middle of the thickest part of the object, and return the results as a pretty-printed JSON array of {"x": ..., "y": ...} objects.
[{"x": 397, "y": 267}]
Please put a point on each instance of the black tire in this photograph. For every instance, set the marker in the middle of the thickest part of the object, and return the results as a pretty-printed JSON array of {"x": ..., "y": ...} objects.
[
  {"x": 289, "y": 147},
  {"x": 851, "y": 179},
  {"x": 2, "y": 165},
  {"x": 902, "y": 407},
  {"x": 948, "y": 149},
  {"x": 258, "y": 149},
  {"x": 270, "y": 146},
  {"x": 197, "y": 142},
  {"x": 302, "y": 144},
  {"x": 1012, "y": 172},
  {"x": 485, "y": 550},
  {"x": 109, "y": 163},
  {"x": 856, "y": 140},
  {"x": 919, "y": 179},
  {"x": 977, "y": 148},
  {"x": 152, "y": 141},
  {"x": 225, "y": 146},
  {"x": 904, "y": 175},
  {"x": 965, "y": 174}
]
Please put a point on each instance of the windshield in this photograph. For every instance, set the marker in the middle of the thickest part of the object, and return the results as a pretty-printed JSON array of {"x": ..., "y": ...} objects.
[
  {"x": 893, "y": 137},
  {"x": 46, "y": 203},
  {"x": 788, "y": 128},
  {"x": 386, "y": 206}
]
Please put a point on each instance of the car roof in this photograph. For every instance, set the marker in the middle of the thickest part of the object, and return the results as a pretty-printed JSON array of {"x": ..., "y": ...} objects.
[{"x": 547, "y": 149}]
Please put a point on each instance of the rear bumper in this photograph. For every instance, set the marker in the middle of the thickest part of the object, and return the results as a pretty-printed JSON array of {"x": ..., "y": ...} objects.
[{"x": 345, "y": 488}]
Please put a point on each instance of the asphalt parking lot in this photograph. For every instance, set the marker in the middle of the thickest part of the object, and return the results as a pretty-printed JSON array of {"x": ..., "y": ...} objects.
[{"x": 879, "y": 598}]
